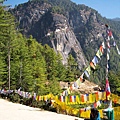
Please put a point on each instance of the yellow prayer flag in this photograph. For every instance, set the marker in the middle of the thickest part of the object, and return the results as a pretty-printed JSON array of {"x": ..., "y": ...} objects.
[{"x": 88, "y": 69}]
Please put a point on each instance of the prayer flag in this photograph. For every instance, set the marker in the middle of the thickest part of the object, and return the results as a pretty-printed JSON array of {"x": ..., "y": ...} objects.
[
  {"x": 72, "y": 99},
  {"x": 117, "y": 50},
  {"x": 110, "y": 105},
  {"x": 99, "y": 54},
  {"x": 110, "y": 33},
  {"x": 95, "y": 60},
  {"x": 108, "y": 44},
  {"x": 78, "y": 82},
  {"x": 103, "y": 44},
  {"x": 108, "y": 50},
  {"x": 108, "y": 58},
  {"x": 92, "y": 65},
  {"x": 96, "y": 95},
  {"x": 107, "y": 89},
  {"x": 101, "y": 49},
  {"x": 88, "y": 69},
  {"x": 86, "y": 73},
  {"x": 68, "y": 90},
  {"x": 114, "y": 44},
  {"x": 82, "y": 98},
  {"x": 81, "y": 77},
  {"x": 61, "y": 98}
]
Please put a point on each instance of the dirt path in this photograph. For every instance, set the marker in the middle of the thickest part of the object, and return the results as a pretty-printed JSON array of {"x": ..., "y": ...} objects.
[{"x": 13, "y": 111}]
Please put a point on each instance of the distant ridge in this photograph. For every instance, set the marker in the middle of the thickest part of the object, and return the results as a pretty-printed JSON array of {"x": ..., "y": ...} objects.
[{"x": 116, "y": 19}]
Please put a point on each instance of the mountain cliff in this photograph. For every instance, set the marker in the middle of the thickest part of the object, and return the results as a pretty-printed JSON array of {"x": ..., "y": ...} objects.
[{"x": 68, "y": 28}]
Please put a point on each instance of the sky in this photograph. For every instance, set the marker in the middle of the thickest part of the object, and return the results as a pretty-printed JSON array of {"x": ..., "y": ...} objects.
[{"x": 107, "y": 8}]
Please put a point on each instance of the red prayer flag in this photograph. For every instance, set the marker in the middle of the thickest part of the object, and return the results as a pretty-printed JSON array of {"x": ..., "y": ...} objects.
[
  {"x": 92, "y": 65},
  {"x": 107, "y": 89},
  {"x": 101, "y": 49}
]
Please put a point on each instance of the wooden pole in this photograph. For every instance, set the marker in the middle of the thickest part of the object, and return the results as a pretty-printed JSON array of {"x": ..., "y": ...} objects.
[{"x": 9, "y": 65}]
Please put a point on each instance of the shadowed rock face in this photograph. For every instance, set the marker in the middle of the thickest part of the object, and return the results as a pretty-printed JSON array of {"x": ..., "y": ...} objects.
[{"x": 28, "y": 14}]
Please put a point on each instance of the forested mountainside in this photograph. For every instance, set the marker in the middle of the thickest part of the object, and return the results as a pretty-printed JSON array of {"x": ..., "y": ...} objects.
[
  {"x": 69, "y": 29},
  {"x": 75, "y": 33}
]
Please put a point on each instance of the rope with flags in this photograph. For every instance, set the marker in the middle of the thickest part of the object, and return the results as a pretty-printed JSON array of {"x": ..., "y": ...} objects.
[
  {"x": 109, "y": 37},
  {"x": 92, "y": 65},
  {"x": 86, "y": 74}
]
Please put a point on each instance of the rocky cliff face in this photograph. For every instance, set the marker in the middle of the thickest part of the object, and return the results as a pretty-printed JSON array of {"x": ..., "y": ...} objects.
[
  {"x": 67, "y": 33},
  {"x": 29, "y": 14},
  {"x": 65, "y": 41},
  {"x": 49, "y": 28},
  {"x": 87, "y": 27}
]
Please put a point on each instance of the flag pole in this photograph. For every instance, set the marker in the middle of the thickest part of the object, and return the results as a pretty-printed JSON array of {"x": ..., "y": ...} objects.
[{"x": 107, "y": 87}]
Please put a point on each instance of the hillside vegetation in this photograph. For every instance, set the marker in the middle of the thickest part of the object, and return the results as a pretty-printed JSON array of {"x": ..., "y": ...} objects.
[{"x": 35, "y": 66}]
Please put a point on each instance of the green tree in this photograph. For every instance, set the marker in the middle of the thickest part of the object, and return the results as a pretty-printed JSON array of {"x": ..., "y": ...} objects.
[
  {"x": 114, "y": 81},
  {"x": 55, "y": 69},
  {"x": 71, "y": 69},
  {"x": 36, "y": 67},
  {"x": 2, "y": 70},
  {"x": 7, "y": 38}
]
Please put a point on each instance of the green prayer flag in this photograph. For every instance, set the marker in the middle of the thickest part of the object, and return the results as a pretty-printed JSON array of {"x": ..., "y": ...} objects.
[{"x": 88, "y": 69}]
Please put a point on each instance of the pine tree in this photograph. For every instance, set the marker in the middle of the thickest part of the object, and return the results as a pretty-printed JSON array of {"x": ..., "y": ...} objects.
[
  {"x": 37, "y": 66},
  {"x": 7, "y": 36},
  {"x": 71, "y": 69}
]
